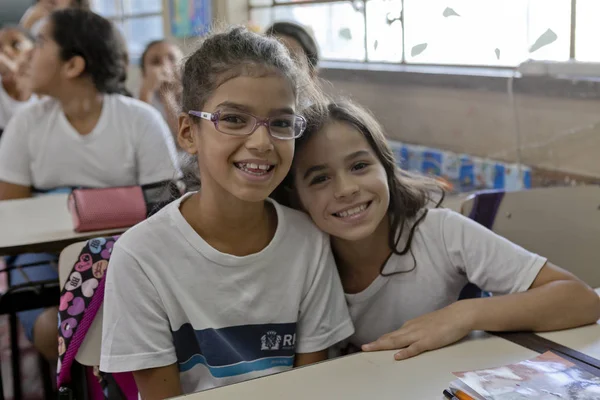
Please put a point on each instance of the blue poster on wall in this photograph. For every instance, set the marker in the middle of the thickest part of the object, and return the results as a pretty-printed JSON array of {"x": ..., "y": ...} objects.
[{"x": 190, "y": 17}]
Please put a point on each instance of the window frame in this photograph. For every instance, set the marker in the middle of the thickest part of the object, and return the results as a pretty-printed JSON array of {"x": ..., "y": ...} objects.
[
  {"x": 403, "y": 62},
  {"x": 121, "y": 18}
]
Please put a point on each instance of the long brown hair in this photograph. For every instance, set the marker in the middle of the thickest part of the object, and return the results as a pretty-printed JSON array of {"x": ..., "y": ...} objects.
[{"x": 410, "y": 194}]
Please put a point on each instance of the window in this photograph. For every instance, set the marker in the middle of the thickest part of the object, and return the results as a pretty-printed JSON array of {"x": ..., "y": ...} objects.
[
  {"x": 500, "y": 33},
  {"x": 140, "y": 21}
]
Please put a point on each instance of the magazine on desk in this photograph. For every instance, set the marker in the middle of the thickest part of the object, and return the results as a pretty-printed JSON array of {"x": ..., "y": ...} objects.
[{"x": 546, "y": 377}]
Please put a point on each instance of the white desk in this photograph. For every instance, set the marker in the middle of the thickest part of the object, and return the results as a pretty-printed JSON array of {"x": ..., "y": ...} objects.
[
  {"x": 585, "y": 340},
  {"x": 40, "y": 224},
  {"x": 377, "y": 375}
]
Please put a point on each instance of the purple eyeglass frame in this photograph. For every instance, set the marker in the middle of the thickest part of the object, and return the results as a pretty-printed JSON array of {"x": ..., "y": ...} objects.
[{"x": 214, "y": 118}]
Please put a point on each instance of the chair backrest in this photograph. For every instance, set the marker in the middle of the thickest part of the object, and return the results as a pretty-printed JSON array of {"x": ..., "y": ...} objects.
[
  {"x": 89, "y": 352},
  {"x": 561, "y": 223}
]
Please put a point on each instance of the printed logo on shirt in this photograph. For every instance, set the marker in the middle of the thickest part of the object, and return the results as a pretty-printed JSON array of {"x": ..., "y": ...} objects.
[
  {"x": 272, "y": 341},
  {"x": 236, "y": 350}
]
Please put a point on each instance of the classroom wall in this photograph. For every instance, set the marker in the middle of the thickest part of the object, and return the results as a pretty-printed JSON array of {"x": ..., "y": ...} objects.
[{"x": 557, "y": 132}]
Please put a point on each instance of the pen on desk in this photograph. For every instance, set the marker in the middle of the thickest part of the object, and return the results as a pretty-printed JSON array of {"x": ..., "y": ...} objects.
[
  {"x": 460, "y": 395},
  {"x": 449, "y": 395}
]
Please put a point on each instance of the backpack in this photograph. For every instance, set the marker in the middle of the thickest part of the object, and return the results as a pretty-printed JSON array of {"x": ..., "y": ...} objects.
[{"x": 80, "y": 300}]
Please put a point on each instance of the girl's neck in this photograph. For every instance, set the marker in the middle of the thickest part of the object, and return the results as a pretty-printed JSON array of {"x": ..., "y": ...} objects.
[
  {"x": 231, "y": 226},
  {"x": 82, "y": 106},
  {"x": 359, "y": 262},
  {"x": 14, "y": 91}
]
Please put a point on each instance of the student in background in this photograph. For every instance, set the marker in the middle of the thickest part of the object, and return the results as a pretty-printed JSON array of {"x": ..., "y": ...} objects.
[
  {"x": 161, "y": 79},
  {"x": 83, "y": 133},
  {"x": 403, "y": 264},
  {"x": 35, "y": 16},
  {"x": 225, "y": 285},
  {"x": 299, "y": 42},
  {"x": 15, "y": 49}
]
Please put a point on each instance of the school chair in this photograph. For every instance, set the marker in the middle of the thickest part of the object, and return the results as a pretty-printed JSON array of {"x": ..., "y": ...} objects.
[
  {"x": 560, "y": 223},
  {"x": 22, "y": 297}
]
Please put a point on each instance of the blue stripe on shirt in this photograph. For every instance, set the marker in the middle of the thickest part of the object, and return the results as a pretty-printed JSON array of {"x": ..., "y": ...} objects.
[{"x": 236, "y": 350}]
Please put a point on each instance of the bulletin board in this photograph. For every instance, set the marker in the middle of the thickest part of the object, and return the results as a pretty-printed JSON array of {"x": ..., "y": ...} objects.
[{"x": 190, "y": 17}]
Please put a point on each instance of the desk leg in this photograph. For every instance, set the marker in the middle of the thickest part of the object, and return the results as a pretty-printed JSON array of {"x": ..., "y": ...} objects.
[{"x": 15, "y": 356}]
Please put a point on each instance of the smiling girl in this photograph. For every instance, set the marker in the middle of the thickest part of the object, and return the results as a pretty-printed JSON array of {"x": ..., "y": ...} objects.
[
  {"x": 224, "y": 284},
  {"x": 403, "y": 263}
]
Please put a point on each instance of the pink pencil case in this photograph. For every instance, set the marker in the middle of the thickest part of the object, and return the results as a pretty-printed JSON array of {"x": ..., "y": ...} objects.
[{"x": 109, "y": 208}]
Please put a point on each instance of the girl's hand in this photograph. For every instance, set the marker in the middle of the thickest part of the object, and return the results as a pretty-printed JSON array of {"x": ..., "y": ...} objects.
[
  {"x": 8, "y": 67},
  {"x": 428, "y": 332},
  {"x": 154, "y": 78}
]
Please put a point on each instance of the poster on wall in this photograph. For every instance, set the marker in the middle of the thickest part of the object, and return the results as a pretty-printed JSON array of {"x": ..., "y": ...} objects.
[{"x": 190, "y": 17}]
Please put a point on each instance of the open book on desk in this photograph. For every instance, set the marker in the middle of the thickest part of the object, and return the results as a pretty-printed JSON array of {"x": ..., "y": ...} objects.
[{"x": 546, "y": 377}]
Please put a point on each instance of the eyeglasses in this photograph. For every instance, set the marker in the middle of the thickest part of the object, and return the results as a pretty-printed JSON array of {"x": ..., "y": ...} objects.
[{"x": 286, "y": 127}]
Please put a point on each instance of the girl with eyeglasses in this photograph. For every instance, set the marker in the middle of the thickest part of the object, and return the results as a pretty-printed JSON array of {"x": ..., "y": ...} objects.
[{"x": 224, "y": 284}]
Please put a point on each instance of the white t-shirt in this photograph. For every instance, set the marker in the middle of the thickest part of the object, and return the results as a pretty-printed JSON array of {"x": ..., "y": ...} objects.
[
  {"x": 172, "y": 298},
  {"x": 450, "y": 250},
  {"x": 130, "y": 145},
  {"x": 9, "y": 106},
  {"x": 160, "y": 107}
]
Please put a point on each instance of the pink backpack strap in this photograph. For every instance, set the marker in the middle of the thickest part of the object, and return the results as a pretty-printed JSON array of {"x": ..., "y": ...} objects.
[{"x": 78, "y": 307}]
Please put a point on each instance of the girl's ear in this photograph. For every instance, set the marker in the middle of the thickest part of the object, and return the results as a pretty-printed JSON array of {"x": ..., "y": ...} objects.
[
  {"x": 74, "y": 67},
  {"x": 185, "y": 134}
]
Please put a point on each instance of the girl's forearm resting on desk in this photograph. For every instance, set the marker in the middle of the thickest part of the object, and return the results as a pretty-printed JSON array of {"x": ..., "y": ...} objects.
[
  {"x": 309, "y": 358},
  {"x": 10, "y": 191},
  {"x": 556, "y": 300}
]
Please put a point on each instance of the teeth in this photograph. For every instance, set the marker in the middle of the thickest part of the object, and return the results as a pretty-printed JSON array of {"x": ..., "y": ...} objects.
[
  {"x": 253, "y": 168},
  {"x": 352, "y": 211}
]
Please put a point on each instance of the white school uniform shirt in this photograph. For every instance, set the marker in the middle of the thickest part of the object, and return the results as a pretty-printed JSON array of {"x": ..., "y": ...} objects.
[
  {"x": 9, "y": 106},
  {"x": 172, "y": 298},
  {"x": 450, "y": 250},
  {"x": 130, "y": 145}
]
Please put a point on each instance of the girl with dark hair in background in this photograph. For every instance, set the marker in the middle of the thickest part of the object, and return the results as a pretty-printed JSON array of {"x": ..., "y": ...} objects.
[
  {"x": 15, "y": 48},
  {"x": 161, "y": 79},
  {"x": 299, "y": 42},
  {"x": 403, "y": 263},
  {"x": 85, "y": 132}
]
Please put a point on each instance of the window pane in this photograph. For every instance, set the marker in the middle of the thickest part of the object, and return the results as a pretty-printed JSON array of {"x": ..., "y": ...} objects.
[
  {"x": 587, "y": 31},
  {"x": 141, "y": 6},
  {"x": 260, "y": 2},
  {"x": 339, "y": 28},
  {"x": 384, "y": 30},
  {"x": 549, "y": 29},
  {"x": 140, "y": 31},
  {"x": 261, "y": 18},
  {"x": 486, "y": 32},
  {"x": 107, "y": 8}
]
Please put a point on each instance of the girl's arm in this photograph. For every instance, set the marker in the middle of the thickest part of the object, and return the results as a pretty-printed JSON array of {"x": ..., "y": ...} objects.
[
  {"x": 158, "y": 383},
  {"x": 10, "y": 191},
  {"x": 556, "y": 300},
  {"x": 310, "y": 358},
  {"x": 32, "y": 15}
]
